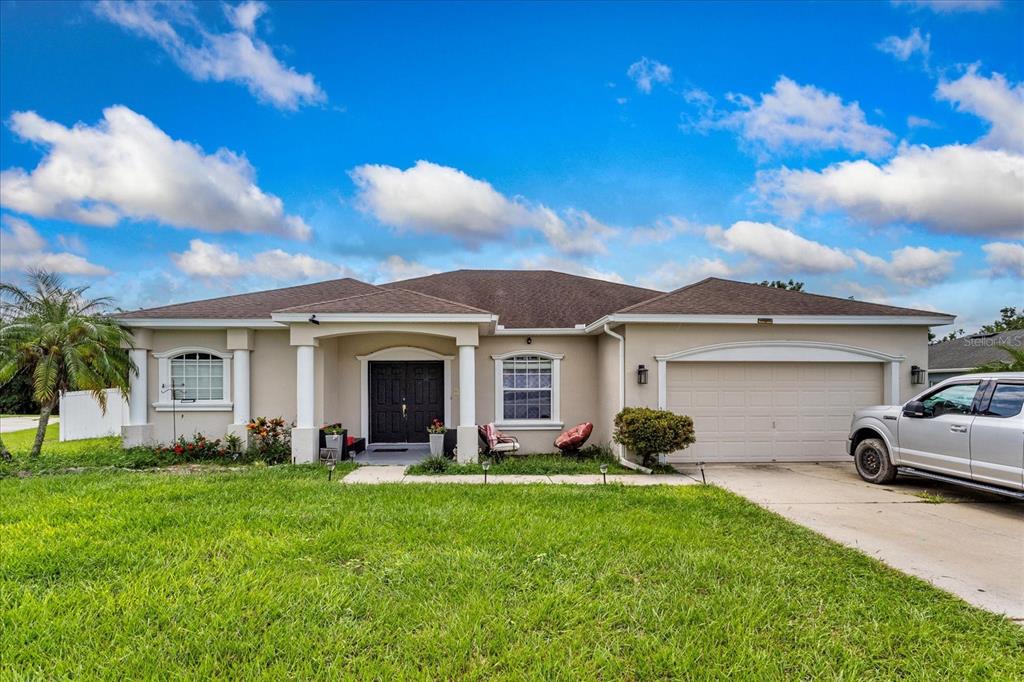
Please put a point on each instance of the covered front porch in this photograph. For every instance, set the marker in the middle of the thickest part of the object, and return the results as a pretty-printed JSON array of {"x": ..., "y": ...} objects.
[{"x": 385, "y": 382}]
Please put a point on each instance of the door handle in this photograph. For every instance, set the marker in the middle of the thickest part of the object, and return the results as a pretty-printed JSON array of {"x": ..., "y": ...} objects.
[
  {"x": 957, "y": 428},
  {"x": 404, "y": 410}
]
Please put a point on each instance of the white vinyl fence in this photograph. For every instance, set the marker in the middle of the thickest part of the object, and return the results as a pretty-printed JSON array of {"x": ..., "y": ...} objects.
[{"x": 81, "y": 416}]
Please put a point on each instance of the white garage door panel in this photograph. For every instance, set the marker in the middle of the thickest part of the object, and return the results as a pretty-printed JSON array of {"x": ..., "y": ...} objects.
[{"x": 770, "y": 411}]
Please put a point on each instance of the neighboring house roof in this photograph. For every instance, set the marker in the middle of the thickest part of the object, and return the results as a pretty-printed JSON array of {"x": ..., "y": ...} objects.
[
  {"x": 396, "y": 301},
  {"x": 714, "y": 296},
  {"x": 531, "y": 299},
  {"x": 257, "y": 304},
  {"x": 970, "y": 351},
  {"x": 522, "y": 299}
]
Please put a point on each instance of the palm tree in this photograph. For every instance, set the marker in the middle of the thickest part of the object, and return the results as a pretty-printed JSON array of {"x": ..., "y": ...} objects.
[
  {"x": 1014, "y": 364},
  {"x": 65, "y": 340}
]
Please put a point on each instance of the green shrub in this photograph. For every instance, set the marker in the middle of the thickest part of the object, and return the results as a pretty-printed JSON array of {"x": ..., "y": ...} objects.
[
  {"x": 435, "y": 464},
  {"x": 270, "y": 440},
  {"x": 650, "y": 433}
]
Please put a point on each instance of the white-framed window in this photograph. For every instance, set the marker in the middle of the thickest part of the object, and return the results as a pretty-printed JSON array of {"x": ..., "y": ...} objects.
[
  {"x": 526, "y": 389},
  {"x": 194, "y": 379}
]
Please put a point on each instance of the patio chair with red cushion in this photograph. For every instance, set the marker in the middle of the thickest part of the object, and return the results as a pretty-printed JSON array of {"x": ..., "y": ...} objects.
[
  {"x": 496, "y": 444},
  {"x": 572, "y": 440}
]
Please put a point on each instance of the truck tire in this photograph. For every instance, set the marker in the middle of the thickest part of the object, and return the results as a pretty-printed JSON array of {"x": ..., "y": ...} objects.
[{"x": 872, "y": 461}]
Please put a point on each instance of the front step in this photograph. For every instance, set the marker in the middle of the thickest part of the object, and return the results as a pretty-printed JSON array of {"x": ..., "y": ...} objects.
[{"x": 974, "y": 485}]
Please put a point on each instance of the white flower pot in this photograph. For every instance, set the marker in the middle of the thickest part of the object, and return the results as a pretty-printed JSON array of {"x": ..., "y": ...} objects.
[
  {"x": 333, "y": 442},
  {"x": 436, "y": 444}
]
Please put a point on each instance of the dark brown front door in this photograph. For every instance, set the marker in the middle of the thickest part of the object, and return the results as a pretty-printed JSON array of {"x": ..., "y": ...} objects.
[{"x": 404, "y": 398}]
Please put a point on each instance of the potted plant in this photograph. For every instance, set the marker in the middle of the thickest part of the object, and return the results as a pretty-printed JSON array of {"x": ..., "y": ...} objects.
[
  {"x": 436, "y": 431},
  {"x": 334, "y": 436}
]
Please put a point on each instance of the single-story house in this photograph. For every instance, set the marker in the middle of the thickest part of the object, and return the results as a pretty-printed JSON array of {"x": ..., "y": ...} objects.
[
  {"x": 959, "y": 356},
  {"x": 767, "y": 374}
]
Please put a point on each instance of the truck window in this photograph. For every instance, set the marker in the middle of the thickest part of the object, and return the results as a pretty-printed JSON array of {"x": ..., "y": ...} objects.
[
  {"x": 955, "y": 399},
  {"x": 1007, "y": 401}
]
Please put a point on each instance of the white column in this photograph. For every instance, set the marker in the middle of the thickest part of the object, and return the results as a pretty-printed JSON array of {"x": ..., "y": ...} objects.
[
  {"x": 467, "y": 385},
  {"x": 240, "y": 360},
  {"x": 894, "y": 384},
  {"x": 305, "y": 436},
  {"x": 138, "y": 385},
  {"x": 305, "y": 387},
  {"x": 468, "y": 440}
]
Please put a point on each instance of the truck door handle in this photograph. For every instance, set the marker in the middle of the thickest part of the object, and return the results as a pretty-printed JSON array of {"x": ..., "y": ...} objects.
[{"x": 956, "y": 428}]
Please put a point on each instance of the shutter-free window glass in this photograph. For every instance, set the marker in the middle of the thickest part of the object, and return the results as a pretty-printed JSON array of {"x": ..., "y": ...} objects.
[
  {"x": 197, "y": 376},
  {"x": 526, "y": 387},
  {"x": 1007, "y": 400}
]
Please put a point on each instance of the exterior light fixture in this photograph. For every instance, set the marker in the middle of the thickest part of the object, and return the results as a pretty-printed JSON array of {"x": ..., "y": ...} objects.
[
  {"x": 330, "y": 471},
  {"x": 641, "y": 375},
  {"x": 312, "y": 318},
  {"x": 917, "y": 374},
  {"x": 486, "y": 465},
  {"x": 604, "y": 473}
]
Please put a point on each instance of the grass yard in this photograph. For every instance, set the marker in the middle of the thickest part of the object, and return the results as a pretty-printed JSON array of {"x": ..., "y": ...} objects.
[
  {"x": 274, "y": 573},
  {"x": 77, "y": 454}
]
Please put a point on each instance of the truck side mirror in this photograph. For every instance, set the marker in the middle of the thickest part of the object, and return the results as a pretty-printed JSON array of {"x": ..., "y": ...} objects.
[{"x": 914, "y": 409}]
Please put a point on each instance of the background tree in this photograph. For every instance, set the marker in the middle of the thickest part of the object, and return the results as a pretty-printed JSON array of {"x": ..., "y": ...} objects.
[
  {"x": 1009, "y": 320},
  {"x": 791, "y": 285},
  {"x": 63, "y": 340}
]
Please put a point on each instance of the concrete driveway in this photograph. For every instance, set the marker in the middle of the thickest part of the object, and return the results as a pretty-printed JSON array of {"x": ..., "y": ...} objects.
[
  {"x": 972, "y": 544},
  {"x": 9, "y": 424}
]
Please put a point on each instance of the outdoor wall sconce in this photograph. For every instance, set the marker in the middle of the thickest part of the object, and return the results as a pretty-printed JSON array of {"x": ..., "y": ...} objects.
[
  {"x": 641, "y": 375},
  {"x": 917, "y": 374}
]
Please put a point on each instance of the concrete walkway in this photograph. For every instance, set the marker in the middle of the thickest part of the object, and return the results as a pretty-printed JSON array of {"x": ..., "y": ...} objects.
[
  {"x": 8, "y": 424},
  {"x": 971, "y": 544},
  {"x": 396, "y": 474}
]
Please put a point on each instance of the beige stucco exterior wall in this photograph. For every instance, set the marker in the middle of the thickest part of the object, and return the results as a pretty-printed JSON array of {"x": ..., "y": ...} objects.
[
  {"x": 166, "y": 424},
  {"x": 578, "y": 387},
  {"x": 272, "y": 375},
  {"x": 644, "y": 341}
]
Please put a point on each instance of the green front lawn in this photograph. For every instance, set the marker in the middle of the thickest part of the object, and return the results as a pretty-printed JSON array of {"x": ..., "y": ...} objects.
[{"x": 276, "y": 573}]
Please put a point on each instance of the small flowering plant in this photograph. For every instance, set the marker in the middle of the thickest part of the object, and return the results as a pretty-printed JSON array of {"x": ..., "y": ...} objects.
[
  {"x": 436, "y": 427},
  {"x": 335, "y": 429}
]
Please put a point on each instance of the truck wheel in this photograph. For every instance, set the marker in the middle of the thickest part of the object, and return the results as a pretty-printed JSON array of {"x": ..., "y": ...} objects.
[{"x": 872, "y": 461}]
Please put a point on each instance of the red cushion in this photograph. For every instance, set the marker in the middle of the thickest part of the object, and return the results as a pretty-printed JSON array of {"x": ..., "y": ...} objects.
[
  {"x": 350, "y": 440},
  {"x": 574, "y": 437}
]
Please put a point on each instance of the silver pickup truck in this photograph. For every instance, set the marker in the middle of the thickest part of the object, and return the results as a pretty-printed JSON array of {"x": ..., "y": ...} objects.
[{"x": 967, "y": 430}]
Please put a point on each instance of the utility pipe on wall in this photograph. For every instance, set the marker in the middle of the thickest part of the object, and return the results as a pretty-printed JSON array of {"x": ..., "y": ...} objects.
[{"x": 622, "y": 397}]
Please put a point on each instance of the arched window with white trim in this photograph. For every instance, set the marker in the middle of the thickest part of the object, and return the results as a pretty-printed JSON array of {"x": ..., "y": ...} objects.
[
  {"x": 194, "y": 379},
  {"x": 527, "y": 391}
]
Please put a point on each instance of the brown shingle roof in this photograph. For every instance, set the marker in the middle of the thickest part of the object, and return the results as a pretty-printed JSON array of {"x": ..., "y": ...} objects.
[
  {"x": 398, "y": 301},
  {"x": 971, "y": 351},
  {"x": 715, "y": 296},
  {"x": 258, "y": 304},
  {"x": 528, "y": 299}
]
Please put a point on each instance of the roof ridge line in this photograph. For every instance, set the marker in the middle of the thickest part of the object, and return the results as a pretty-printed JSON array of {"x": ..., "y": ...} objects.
[
  {"x": 661, "y": 296},
  {"x": 335, "y": 300},
  {"x": 438, "y": 298}
]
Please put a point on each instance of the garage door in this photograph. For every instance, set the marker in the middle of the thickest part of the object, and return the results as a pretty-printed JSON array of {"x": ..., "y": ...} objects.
[{"x": 770, "y": 411}]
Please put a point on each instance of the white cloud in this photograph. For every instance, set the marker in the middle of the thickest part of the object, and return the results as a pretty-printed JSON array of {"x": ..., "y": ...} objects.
[
  {"x": 919, "y": 122},
  {"x": 203, "y": 259},
  {"x": 23, "y": 248},
  {"x": 911, "y": 266},
  {"x": 126, "y": 167},
  {"x": 956, "y": 189},
  {"x": 71, "y": 242},
  {"x": 672, "y": 274},
  {"x": 665, "y": 229},
  {"x": 794, "y": 117},
  {"x": 950, "y": 6},
  {"x": 435, "y": 199},
  {"x": 395, "y": 268},
  {"x": 206, "y": 55},
  {"x": 1005, "y": 259},
  {"x": 992, "y": 99},
  {"x": 646, "y": 72},
  {"x": 569, "y": 266},
  {"x": 905, "y": 48},
  {"x": 784, "y": 249}
]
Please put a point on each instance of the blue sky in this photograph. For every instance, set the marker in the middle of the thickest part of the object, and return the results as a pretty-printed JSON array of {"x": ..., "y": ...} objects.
[{"x": 164, "y": 152}]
